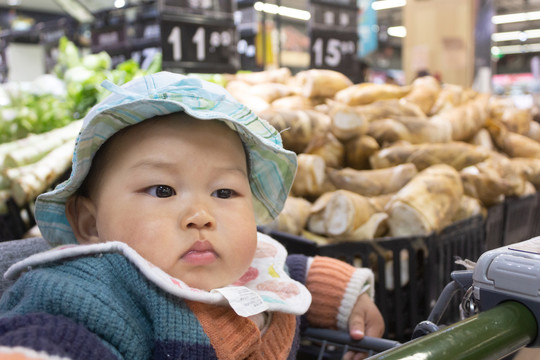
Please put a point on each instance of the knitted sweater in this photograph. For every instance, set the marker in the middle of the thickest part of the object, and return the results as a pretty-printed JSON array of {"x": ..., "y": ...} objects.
[{"x": 103, "y": 307}]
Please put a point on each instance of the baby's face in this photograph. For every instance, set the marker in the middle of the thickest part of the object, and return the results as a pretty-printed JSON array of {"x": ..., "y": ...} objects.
[{"x": 178, "y": 192}]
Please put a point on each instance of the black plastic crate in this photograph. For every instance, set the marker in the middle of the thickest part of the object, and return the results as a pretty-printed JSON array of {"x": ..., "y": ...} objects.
[
  {"x": 520, "y": 218},
  {"x": 536, "y": 221},
  {"x": 294, "y": 244},
  {"x": 390, "y": 259},
  {"x": 495, "y": 227},
  {"x": 16, "y": 222},
  {"x": 402, "y": 307},
  {"x": 421, "y": 263},
  {"x": 19, "y": 219},
  {"x": 465, "y": 240}
]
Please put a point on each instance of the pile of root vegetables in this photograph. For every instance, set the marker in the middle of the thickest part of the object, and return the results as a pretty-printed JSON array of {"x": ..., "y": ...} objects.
[
  {"x": 30, "y": 165},
  {"x": 378, "y": 160}
]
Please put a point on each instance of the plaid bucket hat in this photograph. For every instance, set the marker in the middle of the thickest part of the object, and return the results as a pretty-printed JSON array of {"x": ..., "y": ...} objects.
[{"x": 272, "y": 167}]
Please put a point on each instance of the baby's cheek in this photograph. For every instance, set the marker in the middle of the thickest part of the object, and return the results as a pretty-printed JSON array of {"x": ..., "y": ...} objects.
[
  {"x": 248, "y": 251},
  {"x": 135, "y": 231}
]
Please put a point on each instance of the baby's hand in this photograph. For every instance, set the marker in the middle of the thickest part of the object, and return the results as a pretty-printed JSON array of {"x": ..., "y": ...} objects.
[{"x": 365, "y": 319}]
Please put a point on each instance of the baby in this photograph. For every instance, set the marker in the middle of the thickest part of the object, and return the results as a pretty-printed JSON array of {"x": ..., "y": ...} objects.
[{"x": 160, "y": 255}]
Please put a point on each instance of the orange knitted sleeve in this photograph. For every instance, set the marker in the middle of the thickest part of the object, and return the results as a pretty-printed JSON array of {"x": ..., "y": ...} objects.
[
  {"x": 21, "y": 353},
  {"x": 335, "y": 287}
]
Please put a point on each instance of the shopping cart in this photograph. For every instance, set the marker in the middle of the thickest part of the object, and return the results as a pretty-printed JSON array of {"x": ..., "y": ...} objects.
[{"x": 500, "y": 311}]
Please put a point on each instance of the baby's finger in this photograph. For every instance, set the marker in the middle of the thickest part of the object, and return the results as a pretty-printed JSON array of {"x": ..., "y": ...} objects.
[
  {"x": 356, "y": 328},
  {"x": 350, "y": 355},
  {"x": 375, "y": 325}
]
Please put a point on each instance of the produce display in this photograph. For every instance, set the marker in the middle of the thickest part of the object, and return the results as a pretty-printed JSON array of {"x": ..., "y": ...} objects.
[
  {"x": 381, "y": 160},
  {"x": 30, "y": 165},
  {"x": 375, "y": 160}
]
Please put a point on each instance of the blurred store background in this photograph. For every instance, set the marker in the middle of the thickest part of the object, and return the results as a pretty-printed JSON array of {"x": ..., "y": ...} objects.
[
  {"x": 413, "y": 84},
  {"x": 493, "y": 43}
]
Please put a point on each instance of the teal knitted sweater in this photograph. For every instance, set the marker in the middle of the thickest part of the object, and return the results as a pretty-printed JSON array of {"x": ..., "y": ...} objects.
[{"x": 109, "y": 297}]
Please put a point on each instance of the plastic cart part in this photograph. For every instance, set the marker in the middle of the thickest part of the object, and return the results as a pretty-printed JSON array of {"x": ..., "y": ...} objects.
[
  {"x": 511, "y": 272},
  {"x": 492, "y": 334}
]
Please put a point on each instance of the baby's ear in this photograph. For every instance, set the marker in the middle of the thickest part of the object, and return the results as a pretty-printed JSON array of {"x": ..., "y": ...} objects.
[{"x": 81, "y": 214}]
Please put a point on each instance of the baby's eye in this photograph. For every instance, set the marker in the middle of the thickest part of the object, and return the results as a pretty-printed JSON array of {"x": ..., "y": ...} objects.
[
  {"x": 224, "y": 193},
  {"x": 161, "y": 191}
]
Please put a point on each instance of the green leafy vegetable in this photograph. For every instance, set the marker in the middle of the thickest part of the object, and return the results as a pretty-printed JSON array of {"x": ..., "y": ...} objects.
[{"x": 52, "y": 101}]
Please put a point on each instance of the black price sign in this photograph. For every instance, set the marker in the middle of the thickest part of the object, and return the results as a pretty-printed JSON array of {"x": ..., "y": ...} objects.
[
  {"x": 344, "y": 3},
  {"x": 333, "y": 34},
  {"x": 333, "y": 50},
  {"x": 197, "y": 43},
  {"x": 216, "y": 5}
]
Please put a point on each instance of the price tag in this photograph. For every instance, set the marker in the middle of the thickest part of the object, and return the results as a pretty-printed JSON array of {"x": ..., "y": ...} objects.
[
  {"x": 211, "y": 46},
  {"x": 108, "y": 38},
  {"x": 213, "y": 9},
  {"x": 247, "y": 51},
  {"x": 151, "y": 31},
  {"x": 145, "y": 56},
  {"x": 333, "y": 50},
  {"x": 245, "y": 302},
  {"x": 51, "y": 35},
  {"x": 140, "y": 54},
  {"x": 333, "y": 17}
]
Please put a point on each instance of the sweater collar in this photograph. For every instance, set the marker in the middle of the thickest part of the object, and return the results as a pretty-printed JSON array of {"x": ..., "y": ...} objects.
[{"x": 264, "y": 287}]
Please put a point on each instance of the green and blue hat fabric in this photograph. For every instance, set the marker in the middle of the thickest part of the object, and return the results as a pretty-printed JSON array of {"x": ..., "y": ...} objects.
[{"x": 272, "y": 167}]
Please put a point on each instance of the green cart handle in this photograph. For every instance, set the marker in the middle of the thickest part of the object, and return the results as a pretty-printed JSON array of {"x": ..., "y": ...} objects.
[{"x": 491, "y": 334}]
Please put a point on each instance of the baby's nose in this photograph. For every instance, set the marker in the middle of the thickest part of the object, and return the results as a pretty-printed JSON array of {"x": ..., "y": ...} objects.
[{"x": 198, "y": 219}]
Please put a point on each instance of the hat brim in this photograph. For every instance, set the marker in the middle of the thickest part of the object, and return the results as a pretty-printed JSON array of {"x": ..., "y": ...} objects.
[{"x": 272, "y": 167}]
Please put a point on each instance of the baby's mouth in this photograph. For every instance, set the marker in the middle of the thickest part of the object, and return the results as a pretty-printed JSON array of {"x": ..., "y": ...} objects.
[{"x": 201, "y": 253}]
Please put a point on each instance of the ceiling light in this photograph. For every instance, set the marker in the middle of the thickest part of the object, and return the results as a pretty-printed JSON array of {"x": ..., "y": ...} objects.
[
  {"x": 282, "y": 10},
  {"x": 119, "y": 3},
  {"x": 266, "y": 7},
  {"x": 515, "y": 49},
  {"x": 387, "y": 4},
  {"x": 294, "y": 13},
  {"x": 517, "y": 17},
  {"x": 516, "y": 35},
  {"x": 397, "y": 31},
  {"x": 505, "y": 36},
  {"x": 76, "y": 10},
  {"x": 534, "y": 33}
]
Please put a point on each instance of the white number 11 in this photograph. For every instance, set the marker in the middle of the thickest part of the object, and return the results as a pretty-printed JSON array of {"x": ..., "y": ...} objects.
[
  {"x": 198, "y": 39},
  {"x": 174, "y": 40}
]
